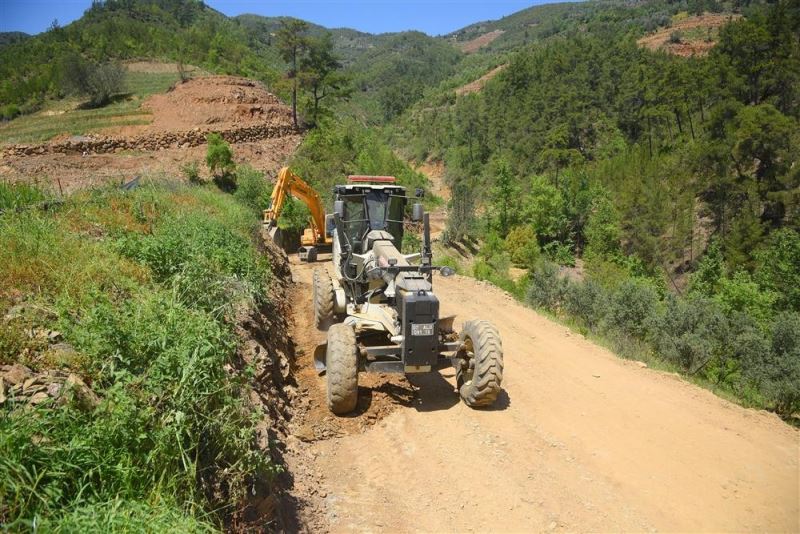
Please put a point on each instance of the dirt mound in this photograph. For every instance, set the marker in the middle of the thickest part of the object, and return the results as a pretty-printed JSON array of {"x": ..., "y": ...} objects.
[
  {"x": 473, "y": 45},
  {"x": 224, "y": 102},
  {"x": 243, "y": 111},
  {"x": 690, "y": 36}
]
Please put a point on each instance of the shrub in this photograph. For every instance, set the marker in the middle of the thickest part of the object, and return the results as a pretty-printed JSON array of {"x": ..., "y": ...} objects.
[
  {"x": 587, "y": 302},
  {"x": 709, "y": 273},
  {"x": 603, "y": 230},
  {"x": 205, "y": 262},
  {"x": 97, "y": 81},
  {"x": 741, "y": 293},
  {"x": 560, "y": 253},
  {"x": 219, "y": 156},
  {"x": 544, "y": 208},
  {"x": 744, "y": 344},
  {"x": 252, "y": 189},
  {"x": 778, "y": 268},
  {"x": 412, "y": 243},
  {"x": 632, "y": 306},
  {"x": 9, "y": 111},
  {"x": 547, "y": 288},
  {"x": 778, "y": 370},
  {"x": 295, "y": 216},
  {"x": 523, "y": 247},
  {"x": 689, "y": 332},
  {"x": 191, "y": 172}
]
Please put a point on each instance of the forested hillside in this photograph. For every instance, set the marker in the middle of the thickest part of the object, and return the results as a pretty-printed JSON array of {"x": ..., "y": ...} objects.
[{"x": 672, "y": 182}]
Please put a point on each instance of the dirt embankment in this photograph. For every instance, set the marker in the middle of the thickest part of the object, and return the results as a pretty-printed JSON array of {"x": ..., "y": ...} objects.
[
  {"x": 254, "y": 121},
  {"x": 580, "y": 441}
]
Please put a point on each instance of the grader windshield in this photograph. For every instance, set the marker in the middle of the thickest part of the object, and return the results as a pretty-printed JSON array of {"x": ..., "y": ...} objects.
[{"x": 367, "y": 209}]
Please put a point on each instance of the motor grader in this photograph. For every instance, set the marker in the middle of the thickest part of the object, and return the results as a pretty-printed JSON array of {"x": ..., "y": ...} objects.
[{"x": 379, "y": 308}]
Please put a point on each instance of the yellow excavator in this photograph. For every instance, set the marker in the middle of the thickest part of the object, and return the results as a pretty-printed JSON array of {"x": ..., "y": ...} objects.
[{"x": 316, "y": 238}]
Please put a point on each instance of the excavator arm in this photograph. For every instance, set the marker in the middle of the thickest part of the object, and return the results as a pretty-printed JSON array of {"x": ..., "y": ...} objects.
[{"x": 289, "y": 183}]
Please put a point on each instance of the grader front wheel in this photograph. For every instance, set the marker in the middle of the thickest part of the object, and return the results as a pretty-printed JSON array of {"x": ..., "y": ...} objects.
[
  {"x": 324, "y": 297},
  {"x": 341, "y": 362},
  {"x": 480, "y": 376}
]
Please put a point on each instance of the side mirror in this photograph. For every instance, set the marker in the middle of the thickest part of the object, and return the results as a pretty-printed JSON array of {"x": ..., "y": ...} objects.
[
  {"x": 417, "y": 212},
  {"x": 338, "y": 208},
  {"x": 446, "y": 271}
]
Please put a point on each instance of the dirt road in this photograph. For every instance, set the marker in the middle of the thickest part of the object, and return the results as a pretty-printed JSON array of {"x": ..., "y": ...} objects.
[{"x": 581, "y": 441}]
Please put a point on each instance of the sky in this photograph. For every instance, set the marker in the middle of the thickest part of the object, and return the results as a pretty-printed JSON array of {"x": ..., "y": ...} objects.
[{"x": 434, "y": 17}]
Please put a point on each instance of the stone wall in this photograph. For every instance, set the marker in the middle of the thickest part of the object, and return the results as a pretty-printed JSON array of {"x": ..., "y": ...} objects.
[{"x": 155, "y": 141}]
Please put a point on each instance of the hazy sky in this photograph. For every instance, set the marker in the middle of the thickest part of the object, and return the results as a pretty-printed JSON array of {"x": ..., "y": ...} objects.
[{"x": 434, "y": 17}]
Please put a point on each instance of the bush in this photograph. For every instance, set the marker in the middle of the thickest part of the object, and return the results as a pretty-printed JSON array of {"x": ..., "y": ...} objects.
[
  {"x": 632, "y": 306},
  {"x": 778, "y": 371},
  {"x": 544, "y": 208},
  {"x": 778, "y": 268},
  {"x": 97, "y": 81},
  {"x": 547, "y": 287},
  {"x": 709, "y": 273},
  {"x": 219, "y": 156},
  {"x": 9, "y": 111},
  {"x": 560, "y": 253},
  {"x": 191, "y": 172},
  {"x": 252, "y": 189},
  {"x": 523, "y": 247},
  {"x": 603, "y": 229},
  {"x": 587, "y": 302},
  {"x": 295, "y": 215},
  {"x": 689, "y": 332},
  {"x": 206, "y": 263},
  {"x": 741, "y": 294}
]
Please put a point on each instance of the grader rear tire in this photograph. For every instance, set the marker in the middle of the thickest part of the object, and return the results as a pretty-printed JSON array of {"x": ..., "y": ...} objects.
[
  {"x": 324, "y": 297},
  {"x": 479, "y": 383},
  {"x": 341, "y": 363}
]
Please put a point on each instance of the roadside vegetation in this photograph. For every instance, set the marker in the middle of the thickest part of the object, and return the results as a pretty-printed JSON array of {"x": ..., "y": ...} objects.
[
  {"x": 651, "y": 199},
  {"x": 144, "y": 314}
]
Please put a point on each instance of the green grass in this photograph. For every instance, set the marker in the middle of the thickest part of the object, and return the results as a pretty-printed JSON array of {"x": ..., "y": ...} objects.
[
  {"x": 143, "y": 285},
  {"x": 18, "y": 196},
  {"x": 64, "y": 117},
  {"x": 45, "y": 125},
  {"x": 143, "y": 84}
]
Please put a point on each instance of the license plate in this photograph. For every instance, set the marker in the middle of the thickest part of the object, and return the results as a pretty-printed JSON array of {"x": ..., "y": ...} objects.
[{"x": 422, "y": 329}]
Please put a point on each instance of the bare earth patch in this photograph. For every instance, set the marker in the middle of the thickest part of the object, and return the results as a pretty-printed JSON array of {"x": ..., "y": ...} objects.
[
  {"x": 214, "y": 103},
  {"x": 477, "y": 85},
  {"x": 473, "y": 45},
  {"x": 698, "y": 35}
]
